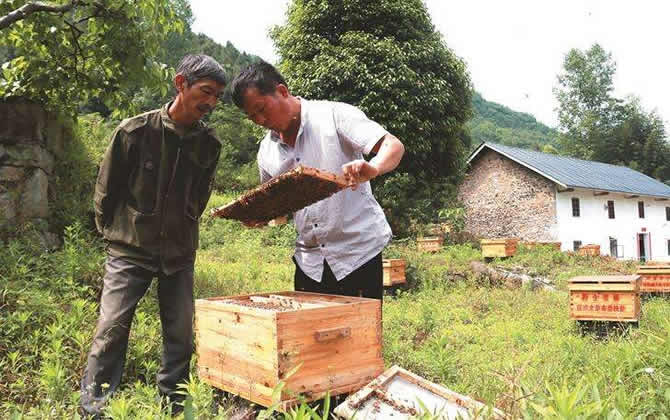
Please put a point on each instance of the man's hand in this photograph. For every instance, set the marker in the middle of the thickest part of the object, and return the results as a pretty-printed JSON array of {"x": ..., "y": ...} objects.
[{"x": 358, "y": 172}]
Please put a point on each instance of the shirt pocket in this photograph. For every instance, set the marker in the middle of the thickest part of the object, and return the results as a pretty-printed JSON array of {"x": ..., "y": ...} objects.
[{"x": 144, "y": 184}]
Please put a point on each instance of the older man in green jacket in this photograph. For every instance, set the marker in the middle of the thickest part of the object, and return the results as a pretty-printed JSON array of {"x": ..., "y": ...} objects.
[{"x": 153, "y": 185}]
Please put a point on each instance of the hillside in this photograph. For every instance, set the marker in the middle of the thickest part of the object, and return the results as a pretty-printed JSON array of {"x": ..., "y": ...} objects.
[{"x": 497, "y": 123}]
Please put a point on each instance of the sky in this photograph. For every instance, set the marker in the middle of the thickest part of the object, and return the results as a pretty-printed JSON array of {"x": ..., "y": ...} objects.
[{"x": 514, "y": 49}]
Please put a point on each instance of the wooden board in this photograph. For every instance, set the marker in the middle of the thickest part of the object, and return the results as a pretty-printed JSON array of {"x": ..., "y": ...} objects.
[
  {"x": 314, "y": 343},
  {"x": 499, "y": 248},
  {"x": 282, "y": 195},
  {"x": 396, "y": 395},
  {"x": 394, "y": 271},
  {"x": 654, "y": 278},
  {"x": 605, "y": 298},
  {"x": 430, "y": 244}
]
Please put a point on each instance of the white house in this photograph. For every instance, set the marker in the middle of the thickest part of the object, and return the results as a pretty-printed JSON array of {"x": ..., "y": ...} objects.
[{"x": 512, "y": 192}]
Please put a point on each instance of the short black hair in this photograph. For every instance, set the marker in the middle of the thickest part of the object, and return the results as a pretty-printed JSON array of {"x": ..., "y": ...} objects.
[
  {"x": 195, "y": 67},
  {"x": 260, "y": 75}
]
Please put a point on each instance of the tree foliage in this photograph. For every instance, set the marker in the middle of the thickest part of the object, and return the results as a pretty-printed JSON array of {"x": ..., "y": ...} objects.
[
  {"x": 598, "y": 126},
  {"x": 385, "y": 57},
  {"x": 499, "y": 124},
  {"x": 83, "y": 49}
]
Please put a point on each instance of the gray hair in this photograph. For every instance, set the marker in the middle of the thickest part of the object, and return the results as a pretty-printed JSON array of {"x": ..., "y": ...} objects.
[{"x": 195, "y": 67}]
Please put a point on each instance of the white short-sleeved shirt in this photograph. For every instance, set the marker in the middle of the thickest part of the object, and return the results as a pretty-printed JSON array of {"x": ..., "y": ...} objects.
[{"x": 348, "y": 228}]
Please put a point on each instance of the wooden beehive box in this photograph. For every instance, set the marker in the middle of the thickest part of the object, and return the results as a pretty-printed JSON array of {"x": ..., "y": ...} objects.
[
  {"x": 592, "y": 250},
  {"x": 654, "y": 278},
  {"x": 394, "y": 271},
  {"x": 247, "y": 344},
  {"x": 605, "y": 298},
  {"x": 396, "y": 395},
  {"x": 492, "y": 248},
  {"x": 534, "y": 244},
  {"x": 429, "y": 244}
]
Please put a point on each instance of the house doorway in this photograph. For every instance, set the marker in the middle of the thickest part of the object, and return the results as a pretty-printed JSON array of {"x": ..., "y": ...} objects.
[{"x": 643, "y": 247}]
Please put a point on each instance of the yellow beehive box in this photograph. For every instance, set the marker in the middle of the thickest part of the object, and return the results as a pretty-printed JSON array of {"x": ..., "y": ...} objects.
[
  {"x": 315, "y": 343},
  {"x": 429, "y": 244},
  {"x": 654, "y": 278},
  {"x": 394, "y": 271},
  {"x": 492, "y": 248},
  {"x": 605, "y": 298}
]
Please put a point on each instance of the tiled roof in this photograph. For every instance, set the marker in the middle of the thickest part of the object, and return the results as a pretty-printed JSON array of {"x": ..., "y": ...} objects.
[{"x": 569, "y": 172}]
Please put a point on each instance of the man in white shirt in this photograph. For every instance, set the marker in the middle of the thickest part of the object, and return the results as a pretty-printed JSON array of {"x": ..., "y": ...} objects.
[{"x": 340, "y": 239}]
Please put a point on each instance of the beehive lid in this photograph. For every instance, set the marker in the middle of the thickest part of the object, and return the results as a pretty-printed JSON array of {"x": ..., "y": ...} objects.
[
  {"x": 282, "y": 195},
  {"x": 605, "y": 283},
  {"x": 648, "y": 268},
  {"x": 278, "y": 301},
  {"x": 398, "y": 394},
  {"x": 604, "y": 279},
  {"x": 393, "y": 262}
]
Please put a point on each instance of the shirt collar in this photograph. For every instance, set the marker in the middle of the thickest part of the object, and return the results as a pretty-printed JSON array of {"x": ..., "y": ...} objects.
[
  {"x": 180, "y": 130},
  {"x": 274, "y": 136}
]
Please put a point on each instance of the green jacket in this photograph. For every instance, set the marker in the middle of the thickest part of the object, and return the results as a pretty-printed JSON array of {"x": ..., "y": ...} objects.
[{"x": 153, "y": 185}]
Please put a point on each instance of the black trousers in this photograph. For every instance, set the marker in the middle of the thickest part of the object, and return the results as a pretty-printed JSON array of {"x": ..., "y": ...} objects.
[
  {"x": 365, "y": 281},
  {"x": 124, "y": 285}
]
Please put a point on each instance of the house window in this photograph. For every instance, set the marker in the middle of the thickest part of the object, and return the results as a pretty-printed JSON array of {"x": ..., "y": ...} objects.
[
  {"x": 640, "y": 209},
  {"x": 667, "y": 214},
  {"x": 668, "y": 247},
  {"x": 575, "y": 207},
  {"x": 610, "y": 209},
  {"x": 576, "y": 245},
  {"x": 614, "y": 252}
]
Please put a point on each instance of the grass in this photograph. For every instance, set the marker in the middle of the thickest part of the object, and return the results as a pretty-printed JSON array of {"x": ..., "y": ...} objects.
[{"x": 516, "y": 349}]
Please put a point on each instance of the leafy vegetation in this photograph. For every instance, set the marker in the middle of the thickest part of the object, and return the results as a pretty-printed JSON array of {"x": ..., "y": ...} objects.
[
  {"x": 499, "y": 124},
  {"x": 66, "y": 52},
  {"x": 516, "y": 349}
]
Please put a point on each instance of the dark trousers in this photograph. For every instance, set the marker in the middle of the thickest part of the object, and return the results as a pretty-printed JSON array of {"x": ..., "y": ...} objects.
[
  {"x": 124, "y": 285},
  {"x": 365, "y": 281}
]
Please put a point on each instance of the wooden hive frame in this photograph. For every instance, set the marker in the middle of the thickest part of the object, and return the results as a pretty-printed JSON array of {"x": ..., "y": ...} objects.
[
  {"x": 605, "y": 298},
  {"x": 366, "y": 402},
  {"x": 282, "y": 195},
  {"x": 654, "y": 278}
]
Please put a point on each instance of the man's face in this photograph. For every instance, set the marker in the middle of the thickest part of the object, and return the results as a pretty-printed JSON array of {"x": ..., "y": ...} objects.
[
  {"x": 270, "y": 111},
  {"x": 200, "y": 97}
]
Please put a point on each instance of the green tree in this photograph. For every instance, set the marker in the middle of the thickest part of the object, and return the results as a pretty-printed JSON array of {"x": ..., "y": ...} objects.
[
  {"x": 65, "y": 52},
  {"x": 386, "y": 57},
  {"x": 596, "y": 125},
  {"x": 586, "y": 105}
]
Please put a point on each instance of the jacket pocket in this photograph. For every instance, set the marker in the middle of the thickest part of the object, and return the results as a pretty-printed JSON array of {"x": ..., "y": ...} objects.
[
  {"x": 133, "y": 227},
  {"x": 144, "y": 184}
]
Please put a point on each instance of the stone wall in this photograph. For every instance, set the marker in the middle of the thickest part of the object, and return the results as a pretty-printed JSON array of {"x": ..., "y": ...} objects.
[
  {"x": 504, "y": 199},
  {"x": 31, "y": 140}
]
